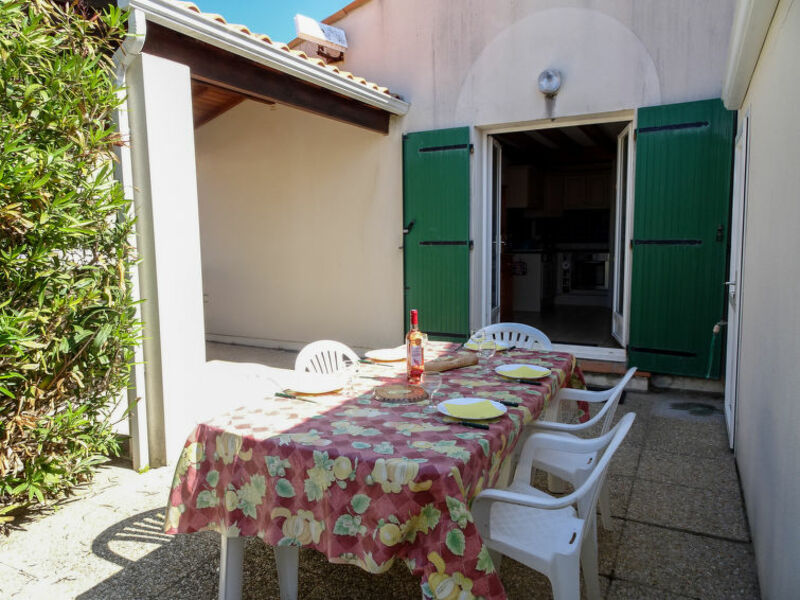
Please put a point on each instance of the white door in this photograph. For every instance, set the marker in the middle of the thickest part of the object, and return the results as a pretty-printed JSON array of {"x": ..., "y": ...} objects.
[
  {"x": 496, "y": 208},
  {"x": 623, "y": 228},
  {"x": 734, "y": 283}
]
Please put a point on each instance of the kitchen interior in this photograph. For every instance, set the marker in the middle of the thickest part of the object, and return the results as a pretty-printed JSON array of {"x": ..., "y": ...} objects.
[{"x": 557, "y": 216}]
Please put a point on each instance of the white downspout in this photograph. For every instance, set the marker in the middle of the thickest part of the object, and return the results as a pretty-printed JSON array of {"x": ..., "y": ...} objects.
[{"x": 137, "y": 393}]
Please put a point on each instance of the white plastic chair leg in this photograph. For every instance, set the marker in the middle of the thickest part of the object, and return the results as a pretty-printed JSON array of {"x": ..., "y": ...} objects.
[
  {"x": 565, "y": 578},
  {"x": 231, "y": 556},
  {"x": 605, "y": 507},
  {"x": 591, "y": 575},
  {"x": 287, "y": 559}
]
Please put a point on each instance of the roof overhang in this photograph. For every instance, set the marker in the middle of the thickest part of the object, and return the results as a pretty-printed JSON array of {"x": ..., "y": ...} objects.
[
  {"x": 170, "y": 16},
  {"x": 751, "y": 23}
]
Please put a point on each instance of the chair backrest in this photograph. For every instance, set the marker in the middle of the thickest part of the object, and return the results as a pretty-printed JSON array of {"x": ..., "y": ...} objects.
[
  {"x": 325, "y": 357},
  {"x": 519, "y": 335},
  {"x": 586, "y": 495},
  {"x": 606, "y": 414}
]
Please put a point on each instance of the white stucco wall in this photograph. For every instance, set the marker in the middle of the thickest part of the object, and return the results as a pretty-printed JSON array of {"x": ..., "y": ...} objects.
[
  {"x": 301, "y": 223},
  {"x": 768, "y": 412},
  {"x": 476, "y": 63},
  {"x": 472, "y": 62}
]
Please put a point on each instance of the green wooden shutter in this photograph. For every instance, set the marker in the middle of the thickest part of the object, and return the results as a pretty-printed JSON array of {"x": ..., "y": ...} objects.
[
  {"x": 684, "y": 156},
  {"x": 436, "y": 216}
]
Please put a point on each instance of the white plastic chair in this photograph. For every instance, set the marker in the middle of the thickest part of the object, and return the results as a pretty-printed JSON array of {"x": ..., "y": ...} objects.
[
  {"x": 555, "y": 536},
  {"x": 571, "y": 467},
  {"x": 325, "y": 357},
  {"x": 519, "y": 335}
]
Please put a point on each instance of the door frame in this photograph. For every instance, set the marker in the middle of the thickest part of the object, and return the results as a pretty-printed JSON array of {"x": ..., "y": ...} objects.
[
  {"x": 480, "y": 292},
  {"x": 624, "y": 246},
  {"x": 496, "y": 246},
  {"x": 739, "y": 218}
]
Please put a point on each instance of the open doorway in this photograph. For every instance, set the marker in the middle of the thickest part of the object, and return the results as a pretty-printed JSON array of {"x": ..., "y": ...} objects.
[{"x": 560, "y": 197}]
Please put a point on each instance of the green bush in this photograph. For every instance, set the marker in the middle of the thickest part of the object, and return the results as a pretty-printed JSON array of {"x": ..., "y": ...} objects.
[{"x": 67, "y": 318}]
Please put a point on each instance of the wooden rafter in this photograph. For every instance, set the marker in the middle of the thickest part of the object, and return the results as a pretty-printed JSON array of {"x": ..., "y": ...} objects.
[
  {"x": 222, "y": 69},
  {"x": 598, "y": 136}
]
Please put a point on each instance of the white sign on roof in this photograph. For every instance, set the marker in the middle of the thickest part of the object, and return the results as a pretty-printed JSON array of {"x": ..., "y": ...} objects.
[{"x": 325, "y": 35}]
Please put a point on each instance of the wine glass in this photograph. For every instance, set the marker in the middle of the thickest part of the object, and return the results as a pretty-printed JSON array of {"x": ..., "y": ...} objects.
[
  {"x": 431, "y": 382},
  {"x": 476, "y": 336},
  {"x": 487, "y": 348}
]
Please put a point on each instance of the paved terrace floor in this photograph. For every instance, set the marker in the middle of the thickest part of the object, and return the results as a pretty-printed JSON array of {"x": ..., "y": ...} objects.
[{"x": 679, "y": 528}]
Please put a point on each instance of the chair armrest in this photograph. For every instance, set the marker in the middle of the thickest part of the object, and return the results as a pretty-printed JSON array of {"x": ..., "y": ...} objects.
[
  {"x": 583, "y": 395},
  {"x": 563, "y": 442},
  {"x": 549, "y": 503},
  {"x": 554, "y": 426}
]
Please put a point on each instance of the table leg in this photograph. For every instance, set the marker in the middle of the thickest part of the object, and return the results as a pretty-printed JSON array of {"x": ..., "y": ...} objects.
[
  {"x": 230, "y": 568},
  {"x": 287, "y": 559}
]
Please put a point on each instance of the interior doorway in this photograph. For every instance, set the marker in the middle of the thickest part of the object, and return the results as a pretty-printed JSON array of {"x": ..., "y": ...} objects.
[{"x": 560, "y": 220}]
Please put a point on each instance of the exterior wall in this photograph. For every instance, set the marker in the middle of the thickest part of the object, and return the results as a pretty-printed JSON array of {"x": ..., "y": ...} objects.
[
  {"x": 165, "y": 195},
  {"x": 301, "y": 223},
  {"x": 470, "y": 62},
  {"x": 476, "y": 63},
  {"x": 768, "y": 411}
]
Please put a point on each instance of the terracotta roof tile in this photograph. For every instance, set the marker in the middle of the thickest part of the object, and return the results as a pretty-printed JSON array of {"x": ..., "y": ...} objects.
[{"x": 265, "y": 39}]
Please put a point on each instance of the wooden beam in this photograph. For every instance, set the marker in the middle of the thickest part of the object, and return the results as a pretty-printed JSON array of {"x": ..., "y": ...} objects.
[
  {"x": 559, "y": 138},
  {"x": 217, "y": 111},
  {"x": 232, "y": 72},
  {"x": 598, "y": 136}
]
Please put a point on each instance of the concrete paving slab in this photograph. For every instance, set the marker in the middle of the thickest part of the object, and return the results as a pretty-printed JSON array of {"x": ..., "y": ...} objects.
[
  {"x": 626, "y": 460},
  {"x": 685, "y": 563},
  {"x": 608, "y": 542},
  {"x": 619, "y": 489},
  {"x": 692, "y": 509},
  {"x": 13, "y": 581},
  {"x": 625, "y": 590},
  {"x": 691, "y": 438},
  {"x": 282, "y": 359},
  {"x": 717, "y": 473}
]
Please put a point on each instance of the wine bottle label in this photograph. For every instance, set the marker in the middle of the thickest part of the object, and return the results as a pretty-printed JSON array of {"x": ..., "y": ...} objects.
[{"x": 416, "y": 355}]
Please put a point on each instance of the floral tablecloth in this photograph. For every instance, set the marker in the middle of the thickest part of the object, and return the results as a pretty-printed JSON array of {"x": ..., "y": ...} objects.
[{"x": 364, "y": 482}]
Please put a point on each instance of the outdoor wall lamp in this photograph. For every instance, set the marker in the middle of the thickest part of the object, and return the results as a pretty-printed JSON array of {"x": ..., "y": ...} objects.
[{"x": 550, "y": 82}]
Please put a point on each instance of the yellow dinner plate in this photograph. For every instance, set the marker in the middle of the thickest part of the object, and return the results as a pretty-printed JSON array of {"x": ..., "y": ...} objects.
[
  {"x": 499, "y": 346},
  {"x": 473, "y": 409},
  {"x": 522, "y": 371}
]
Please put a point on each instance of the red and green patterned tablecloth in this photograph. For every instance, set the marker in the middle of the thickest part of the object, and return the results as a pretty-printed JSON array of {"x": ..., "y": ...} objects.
[{"x": 361, "y": 481}]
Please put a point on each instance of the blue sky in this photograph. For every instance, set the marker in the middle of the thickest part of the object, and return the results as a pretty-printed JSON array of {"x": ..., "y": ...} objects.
[{"x": 273, "y": 17}]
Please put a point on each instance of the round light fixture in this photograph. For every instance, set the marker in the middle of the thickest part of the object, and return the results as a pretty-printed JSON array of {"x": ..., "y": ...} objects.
[{"x": 550, "y": 82}]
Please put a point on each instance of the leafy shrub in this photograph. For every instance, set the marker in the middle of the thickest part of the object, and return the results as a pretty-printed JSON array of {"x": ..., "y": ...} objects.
[{"x": 67, "y": 319}]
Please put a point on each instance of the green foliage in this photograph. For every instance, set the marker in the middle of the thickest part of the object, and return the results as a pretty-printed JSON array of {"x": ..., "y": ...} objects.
[{"x": 67, "y": 318}]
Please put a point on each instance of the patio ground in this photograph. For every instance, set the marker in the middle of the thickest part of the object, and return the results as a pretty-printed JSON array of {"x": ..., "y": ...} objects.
[{"x": 679, "y": 527}]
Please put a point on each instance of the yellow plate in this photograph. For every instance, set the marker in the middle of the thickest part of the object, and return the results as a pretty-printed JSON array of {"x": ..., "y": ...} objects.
[
  {"x": 499, "y": 346},
  {"x": 473, "y": 409},
  {"x": 522, "y": 371}
]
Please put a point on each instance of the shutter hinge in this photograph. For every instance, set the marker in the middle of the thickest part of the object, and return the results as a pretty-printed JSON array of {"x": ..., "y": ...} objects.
[
  {"x": 472, "y": 149},
  {"x": 471, "y": 244}
]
